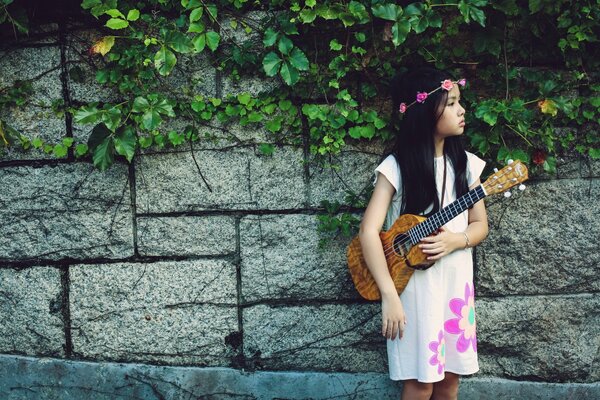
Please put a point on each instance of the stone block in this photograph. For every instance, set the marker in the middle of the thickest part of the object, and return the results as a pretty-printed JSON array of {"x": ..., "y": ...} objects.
[
  {"x": 541, "y": 338},
  {"x": 65, "y": 211},
  {"x": 281, "y": 260},
  {"x": 35, "y": 118},
  {"x": 239, "y": 180},
  {"x": 353, "y": 171},
  {"x": 82, "y": 68},
  {"x": 543, "y": 240},
  {"x": 181, "y": 236},
  {"x": 168, "y": 312},
  {"x": 325, "y": 337},
  {"x": 30, "y": 311}
]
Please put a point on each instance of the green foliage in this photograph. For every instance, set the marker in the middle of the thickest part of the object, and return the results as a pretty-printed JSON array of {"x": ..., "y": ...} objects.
[{"x": 531, "y": 92}]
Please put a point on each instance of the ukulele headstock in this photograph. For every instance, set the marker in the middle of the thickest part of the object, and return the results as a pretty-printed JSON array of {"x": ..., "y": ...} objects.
[{"x": 509, "y": 176}]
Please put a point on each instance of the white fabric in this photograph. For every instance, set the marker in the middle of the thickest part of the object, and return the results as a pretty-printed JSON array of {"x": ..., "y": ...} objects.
[{"x": 431, "y": 295}]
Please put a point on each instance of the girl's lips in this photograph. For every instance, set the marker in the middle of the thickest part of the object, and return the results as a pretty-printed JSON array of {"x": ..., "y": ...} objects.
[{"x": 462, "y": 123}]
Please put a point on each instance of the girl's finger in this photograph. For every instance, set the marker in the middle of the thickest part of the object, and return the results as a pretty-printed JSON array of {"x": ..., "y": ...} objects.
[{"x": 384, "y": 327}]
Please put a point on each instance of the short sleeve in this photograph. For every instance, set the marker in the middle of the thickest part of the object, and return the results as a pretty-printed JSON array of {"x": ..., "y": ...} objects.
[
  {"x": 475, "y": 167},
  {"x": 391, "y": 170}
]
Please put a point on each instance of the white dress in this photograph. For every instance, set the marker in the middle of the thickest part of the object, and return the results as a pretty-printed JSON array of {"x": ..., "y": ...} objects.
[{"x": 438, "y": 302}]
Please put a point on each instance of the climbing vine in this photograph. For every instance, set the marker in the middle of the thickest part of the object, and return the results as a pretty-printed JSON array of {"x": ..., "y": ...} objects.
[{"x": 533, "y": 93}]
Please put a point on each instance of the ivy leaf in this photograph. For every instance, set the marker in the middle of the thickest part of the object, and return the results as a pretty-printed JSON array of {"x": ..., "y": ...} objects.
[
  {"x": 199, "y": 42},
  {"x": 126, "y": 142},
  {"x": 87, "y": 115},
  {"x": 175, "y": 138},
  {"x": 103, "y": 45},
  {"x": 81, "y": 149},
  {"x": 113, "y": 12},
  {"x": 140, "y": 104},
  {"x": 179, "y": 42},
  {"x": 270, "y": 37},
  {"x": 400, "y": 31},
  {"x": 164, "y": 107},
  {"x": 196, "y": 14},
  {"x": 389, "y": 12},
  {"x": 212, "y": 40},
  {"x": 59, "y": 150},
  {"x": 151, "y": 119},
  {"x": 164, "y": 61},
  {"x": 274, "y": 125},
  {"x": 266, "y": 148},
  {"x": 99, "y": 133},
  {"x": 104, "y": 154},
  {"x": 111, "y": 116},
  {"x": 133, "y": 15},
  {"x": 285, "y": 45},
  {"x": 547, "y": 106},
  {"x": 289, "y": 73},
  {"x": 117, "y": 23},
  {"x": 196, "y": 27},
  {"x": 298, "y": 59},
  {"x": 271, "y": 63}
]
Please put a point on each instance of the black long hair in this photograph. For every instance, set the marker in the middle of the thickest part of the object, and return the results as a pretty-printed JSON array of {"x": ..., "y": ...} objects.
[{"x": 414, "y": 147}]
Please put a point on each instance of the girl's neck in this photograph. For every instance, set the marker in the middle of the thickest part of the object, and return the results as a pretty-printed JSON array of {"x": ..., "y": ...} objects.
[{"x": 439, "y": 147}]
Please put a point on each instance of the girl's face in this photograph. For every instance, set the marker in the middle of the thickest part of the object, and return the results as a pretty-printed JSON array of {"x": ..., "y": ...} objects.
[{"x": 452, "y": 120}]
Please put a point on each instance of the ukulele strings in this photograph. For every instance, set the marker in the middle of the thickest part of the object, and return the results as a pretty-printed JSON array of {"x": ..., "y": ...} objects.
[{"x": 390, "y": 249}]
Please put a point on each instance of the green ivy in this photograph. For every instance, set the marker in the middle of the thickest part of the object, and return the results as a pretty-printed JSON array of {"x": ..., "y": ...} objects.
[{"x": 531, "y": 79}]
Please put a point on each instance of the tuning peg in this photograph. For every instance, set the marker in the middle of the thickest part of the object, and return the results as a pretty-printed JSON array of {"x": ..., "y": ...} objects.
[
  {"x": 510, "y": 161},
  {"x": 522, "y": 187},
  {"x": 507, "y": 194},
  {"x": 495, "y": 170}
]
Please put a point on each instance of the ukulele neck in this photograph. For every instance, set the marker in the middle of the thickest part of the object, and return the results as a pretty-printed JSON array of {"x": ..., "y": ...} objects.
[{"x": 448, "y": 213}]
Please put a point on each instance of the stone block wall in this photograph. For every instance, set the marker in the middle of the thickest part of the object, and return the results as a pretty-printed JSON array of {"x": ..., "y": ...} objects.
[{"x": 143, "y": 263}]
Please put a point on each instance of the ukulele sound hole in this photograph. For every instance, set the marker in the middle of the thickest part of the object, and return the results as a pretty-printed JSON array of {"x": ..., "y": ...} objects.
[{"x": 402, "y": 244}]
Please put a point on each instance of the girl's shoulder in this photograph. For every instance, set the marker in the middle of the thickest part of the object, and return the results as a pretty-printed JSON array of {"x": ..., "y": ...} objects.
[{"x": 390, "y": 168}]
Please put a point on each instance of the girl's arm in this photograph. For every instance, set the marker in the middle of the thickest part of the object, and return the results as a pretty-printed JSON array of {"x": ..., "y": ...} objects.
[
  {"x": 392, "y": 311},
  {"x": 446, "y": 242}
]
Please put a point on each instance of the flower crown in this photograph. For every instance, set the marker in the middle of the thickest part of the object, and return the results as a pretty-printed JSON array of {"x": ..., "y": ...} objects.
[{"x": 421, "y": 96}]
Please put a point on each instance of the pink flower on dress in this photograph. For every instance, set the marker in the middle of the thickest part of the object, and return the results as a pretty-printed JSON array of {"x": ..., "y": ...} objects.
[
  {"x": 447, "y": 84},
  {"x": 402, "y": 108},
  {"x": 439, "y": 352},
  {"x": 421, "y": 96},
  {"x": 464, "y": 325},
  {"x": 462, "y": 82}
]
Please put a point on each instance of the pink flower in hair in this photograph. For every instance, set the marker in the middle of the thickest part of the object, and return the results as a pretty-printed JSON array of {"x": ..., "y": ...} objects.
[
  {"x": 402, "y": 108},
  {"x": 421, "y": 96},
  {"x": 462, "y": 82},
  {"x": 447, "y": 84}
]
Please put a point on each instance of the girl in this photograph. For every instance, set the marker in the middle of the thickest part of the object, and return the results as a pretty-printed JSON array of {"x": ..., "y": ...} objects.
[{"x": 430, "y": 327}]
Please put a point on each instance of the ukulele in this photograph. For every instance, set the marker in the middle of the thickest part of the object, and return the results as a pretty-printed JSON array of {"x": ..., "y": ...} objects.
[{"x": 399, "y": 242}]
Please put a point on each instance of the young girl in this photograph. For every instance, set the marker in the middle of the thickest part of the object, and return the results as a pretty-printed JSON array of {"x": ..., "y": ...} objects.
[{"x": 430, "y": 327}]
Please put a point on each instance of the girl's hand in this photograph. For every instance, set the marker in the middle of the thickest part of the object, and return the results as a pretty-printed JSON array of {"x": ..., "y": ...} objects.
[
  {"x": 441, "y": 243},
  {"x": 393, "y": 318}
]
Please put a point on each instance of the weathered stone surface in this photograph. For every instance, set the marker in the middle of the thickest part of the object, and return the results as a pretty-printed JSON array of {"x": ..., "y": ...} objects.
[
  {"x": 239, "y": 179},
  {"x": 355, "y": 173},
  {"x": 281, "y": 260},
  {"x": 543, "y": 241},
  {"x": 70, "y": 210},
  {"x": 30, "y": 304},
  {"x": 26, "y": 378},
  {"x": 35, "y": 118},
  {"x": 82, "y": 68},
  {"x": 192, "y": 75},
  {"x": 179, "y": 236},
  {"x": 549, "y": 338},
  {"x": 325, "y": 337},
  {"x": 172, "y": 312}
]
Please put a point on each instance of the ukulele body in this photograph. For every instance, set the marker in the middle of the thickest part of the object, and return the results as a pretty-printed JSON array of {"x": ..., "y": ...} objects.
[{"x": 402, "y": 259}]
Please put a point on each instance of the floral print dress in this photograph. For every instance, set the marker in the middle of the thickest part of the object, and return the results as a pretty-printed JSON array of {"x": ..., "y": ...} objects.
[{"x": 439, "y": 302}]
